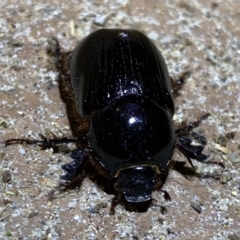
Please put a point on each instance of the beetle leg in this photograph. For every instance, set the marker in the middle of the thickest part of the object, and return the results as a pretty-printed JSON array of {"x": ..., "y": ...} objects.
[
  {"x": 190, "y": 161},
  {"x": 44, "y": 143},
  {"x": 116, "y": 199},
  {"x": 178, "y": 81},
  {"x": 191, "y": 152},
  {"x": 183, "y": 142},
  {"x": 200, "y": 139},
  {"x": 184, "y": 129},
  {"x": 62, "y": 62},
  {"x": 73, "y": 169}
]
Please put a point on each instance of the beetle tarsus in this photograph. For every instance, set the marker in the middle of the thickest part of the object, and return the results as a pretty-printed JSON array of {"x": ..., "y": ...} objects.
[
  {"x": 186, "y": 128},
  {"x": 217, "y": 163},
  {"x": 19, "y": 141},
  {"x": 74, "y": 168},
  {"x": 116, "y": 199},
  {"x": 178, "y": 81},
  {"x": 190, "y": 162}
]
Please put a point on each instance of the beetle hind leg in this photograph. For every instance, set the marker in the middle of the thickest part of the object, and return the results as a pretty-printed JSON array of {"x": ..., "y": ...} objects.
[{"x": 62, "y": 61}]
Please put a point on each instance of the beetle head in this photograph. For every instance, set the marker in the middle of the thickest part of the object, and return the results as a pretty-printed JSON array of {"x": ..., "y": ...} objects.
[{"x": 137, "y": 183}]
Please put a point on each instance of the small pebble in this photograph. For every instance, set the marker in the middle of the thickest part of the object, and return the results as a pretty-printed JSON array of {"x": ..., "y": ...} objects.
[
  {"x": 102, "y": 19},
  {"x": 234, "y": 193},
  {"x": 22, "y": 151}
]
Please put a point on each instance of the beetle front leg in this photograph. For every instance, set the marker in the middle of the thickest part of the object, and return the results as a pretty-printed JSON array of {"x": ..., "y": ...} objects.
[
  {"x": 191, "y": 152},
  {"x": 194, "y": 152},
  {"x": 116, "y": 199},
  {"x": 183, "y": 142},
  {"x": 74, "y": 169}
]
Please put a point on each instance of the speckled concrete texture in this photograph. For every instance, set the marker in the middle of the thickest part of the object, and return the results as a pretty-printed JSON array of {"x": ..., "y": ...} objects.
[{"x": 198, "y": 35}]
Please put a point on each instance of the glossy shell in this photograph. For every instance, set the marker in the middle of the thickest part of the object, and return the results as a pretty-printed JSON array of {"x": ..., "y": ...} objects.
[
  {"x": 111, "y": 63},
  {"x": 121, "y": 84}
]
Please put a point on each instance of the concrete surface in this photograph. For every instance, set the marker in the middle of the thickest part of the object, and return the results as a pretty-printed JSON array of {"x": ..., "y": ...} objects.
[{"x": 200, "y": 35}]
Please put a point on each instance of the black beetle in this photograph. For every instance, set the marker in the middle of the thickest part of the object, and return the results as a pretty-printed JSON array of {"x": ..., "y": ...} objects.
[{"x": 120, "y": 106}]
